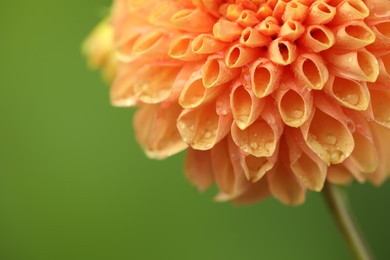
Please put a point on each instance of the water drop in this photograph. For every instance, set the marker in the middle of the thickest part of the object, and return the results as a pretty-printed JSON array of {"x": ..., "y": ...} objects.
[
  {"x": 335, "y": 156},
  {"x": 297, "y": 113},
  {"x": 330, "y": 139},
  {"x": 352, "y": 99},
  {"x": 254, "y": 145},
  {"x": 207, "y": 134}
]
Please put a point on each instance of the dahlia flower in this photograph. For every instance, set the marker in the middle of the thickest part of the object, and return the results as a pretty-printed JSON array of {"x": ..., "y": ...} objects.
[{"x": 268, "y": 97}]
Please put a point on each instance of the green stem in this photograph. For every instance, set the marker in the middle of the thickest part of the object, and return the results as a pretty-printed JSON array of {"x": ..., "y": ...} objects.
[{"x": 345, "y": 221}]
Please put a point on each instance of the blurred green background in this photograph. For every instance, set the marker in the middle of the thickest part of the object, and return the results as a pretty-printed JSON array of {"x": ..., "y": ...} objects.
[{"x": 75, "y": 185}]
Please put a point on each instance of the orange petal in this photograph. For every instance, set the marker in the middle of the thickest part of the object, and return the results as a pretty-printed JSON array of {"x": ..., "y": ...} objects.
[
  {"x": 153, "y": 82},
  {"x": 256, "y": 167},
  {"x": 264, "y": 77},
  {"x": 152, "y": 44},
  {"x": 269, "y": 26},
  {"x": 229, "y": 178},
  {"x": 380, "y": 100},
  {"x": 195, "y": 93},
  {"x": 291, "y": 30},
  {"x": 349, "y": 10},
  {"x": 304, "y": 163},
  {"x": 122, "y": 92},
  {"x": 284, "y": 185},
  {"x": 198, "y": 168},
  {"x": 247, "y": 18},
  {"x": 282, "y": 52},
  {"x": 255, "y": 192},
  {"x": 227, "y": 31},
  {"x": 353, "y": 35},
  {"x": 252, "y": 38},
  {"x": 206, "y": 44},
  {"x": 317, "y": 38},
  {"x": 382, "y": 36},
  {"x": 311, "y": 70},
  {"x": 156, "y": 131},
  {"x": 237, "y": 56},
  {"x": 327, "y": 133},
  {"x": 348, "y": 93},
  {"x": 180, "y": 48},
  {"x": 245, "y": 106},
  {"x": 339, "y": 175},
  {"x": 295, "y": 11},
  {"x": 320, "y": 13},
  {"x": 216, "y": 72},
  {"x": 359, "y": 65},
  {"x": 193, "y": 20},
  {"x": 202, "y": 128},
  {"x": 261, "y": 137}
]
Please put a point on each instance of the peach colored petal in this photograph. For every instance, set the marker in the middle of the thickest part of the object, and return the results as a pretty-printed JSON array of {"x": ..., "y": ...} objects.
[
  {"x": 227, "y": 31},
  {"x": 206, "y": 44},
  {"x": 282, "y": 52},
  {"x": 304, "y": 163},
  {"x": 238, "y": 56},
  {"x": 193, "y": 20},
  {"x": 156, "y": 131},
  {"x": 295, "y": 103},
  {"x": 348, "y": 10},
  {"x": 291, "y": 30},
  {"x": 348, "y": 93},
  {"x": 216, "y": 72},
  {"x": 327, "y": 133},
  {"x": 284, "y": 185},
  {"x": 245, "y": 106},
  {"x": 353, "y": 35},
  {"x": 180, "y": 48},
  {"x": 311, "y": 70},
  {"x": 338, "y": 174},
  {"x": 317, "y": 38},
  {"x": 250, "y": 37},
  {"x": 320, "y": 13},
  {"x": 264, "y": 77},
  {"x": 380, "y": 100},
  {"x": 203, "y": 134},
  {"x": 255, "y": 192},
  {"x": 198, "y": 168},
  {"x": 359, "y": 65}
]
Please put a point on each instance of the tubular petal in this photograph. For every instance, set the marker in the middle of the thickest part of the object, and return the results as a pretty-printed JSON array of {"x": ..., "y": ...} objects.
[
  {"x": 198, "y": 168},
  {"x": 284, "y": 185},
  {"x": 317, "y": 38},
  {"x": 349, "y": 10},
  {"x": 255, "y": 192},
  {"x": 261, "y": 138},
  {"x": 206, "y": 44},
  {"x": 161, "y": 14},
  {"x": 230, "y": 179},
  {"x": 349, "y": 93},
  {"x": 180, "y": 48},
  {"x": 295, "y": 103},
  {"x": 380, "y": 100},
  {"x": 122, "y": 90},
  {"x": 291, "y": 30},
  {"x": 227, "y": 31},
  {"x": 384, "y": 69},
  {"x": 256, "y": 167},
  {"x": 382, "y": 36},
  {"x": 152, "y": 44},
  {"x": 282, "y": 52},
  {"x": 339, "y": 175},
  {"x": 252, "y": 38},
  {"x": 245, "y": 106},
  {"x": 216, "y": 72},
  {"x": 194, "y": 92},
  {"x": 202, "y": 128},
  {"x": 295, "y": 11},
  {"x": 238, "y": 55},
  {"x": 264, "y": 77},
  {"x": 359, "y": 65},
  {"x": 327, "y": 134},
  {"x": 311, "y": 70},
  {"x": 320, "y": 13},
  {"x": 153, "y": 83},
  {"x": 193, "y": 20},
  {"x": 353, "y": 35},
  {"x": 379, "y": 9},
  {"x": 268, "y": 27},
  {"x": 247, "y": 18},
  {"x": 155, "y": 130},
  {"x": 382, "y": 140},
  {"x": 304, "y": 163}
]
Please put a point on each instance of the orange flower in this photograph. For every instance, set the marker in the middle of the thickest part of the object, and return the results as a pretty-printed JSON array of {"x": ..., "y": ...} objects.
[{"x": 271, "y": 97}]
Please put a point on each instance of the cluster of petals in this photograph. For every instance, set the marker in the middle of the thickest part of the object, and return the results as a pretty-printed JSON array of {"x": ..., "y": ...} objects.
[{"x": 269, "y": 97}]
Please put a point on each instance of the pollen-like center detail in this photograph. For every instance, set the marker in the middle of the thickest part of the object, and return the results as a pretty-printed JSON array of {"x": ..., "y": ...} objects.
[{"x": 269, "y": 96}]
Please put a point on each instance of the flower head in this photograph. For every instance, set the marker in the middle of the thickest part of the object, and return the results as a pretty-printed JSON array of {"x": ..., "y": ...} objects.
[{"x": 270, "y": 97}]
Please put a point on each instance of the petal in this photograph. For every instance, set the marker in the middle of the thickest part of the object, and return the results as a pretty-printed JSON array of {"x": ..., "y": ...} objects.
[
  {"x": 198, "y": 168},
  {"x": 156, "y": 131}
]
